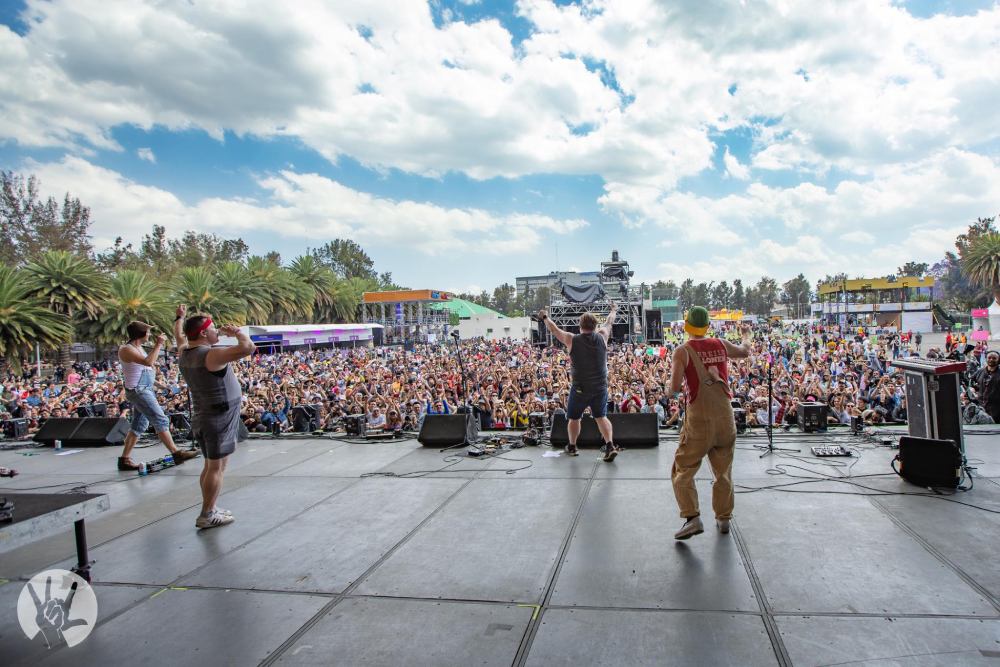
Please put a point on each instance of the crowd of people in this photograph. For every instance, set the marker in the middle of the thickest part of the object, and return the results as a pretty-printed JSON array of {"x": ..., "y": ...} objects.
[{"x": 505, "y": 382}]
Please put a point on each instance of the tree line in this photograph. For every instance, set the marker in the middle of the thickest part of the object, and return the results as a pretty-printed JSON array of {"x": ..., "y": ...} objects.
[{"x": 54, "y": 289}]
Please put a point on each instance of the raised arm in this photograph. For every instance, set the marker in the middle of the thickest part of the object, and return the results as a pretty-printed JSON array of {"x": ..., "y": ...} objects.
[
  {"x": 218, "y": 357},
  {"x": 605, "y": 329},
  {"x": 130, "y": 354},
  {"x": 563, "y": 337},
  {"x": 743, "y": 350},
  {"x": 179, "y": 336}
]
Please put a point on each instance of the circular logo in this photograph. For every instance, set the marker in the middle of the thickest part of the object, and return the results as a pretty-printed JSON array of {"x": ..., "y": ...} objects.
[{"x": 58, "y": 604}]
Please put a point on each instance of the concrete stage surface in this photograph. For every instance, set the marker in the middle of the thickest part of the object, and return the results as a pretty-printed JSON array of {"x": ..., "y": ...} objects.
[{"x": 387, "y": 553}]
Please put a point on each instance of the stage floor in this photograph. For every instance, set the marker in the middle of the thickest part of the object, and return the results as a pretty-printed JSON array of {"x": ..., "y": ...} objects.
[{"x": 389, "y": 554}]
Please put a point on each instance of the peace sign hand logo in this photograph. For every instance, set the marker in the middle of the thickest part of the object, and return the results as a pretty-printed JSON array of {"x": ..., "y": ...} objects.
[{"x": 58, "y": 604}]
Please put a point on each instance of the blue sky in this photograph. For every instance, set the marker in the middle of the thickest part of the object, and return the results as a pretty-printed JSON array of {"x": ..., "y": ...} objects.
[{"x": 463, "y": 143}]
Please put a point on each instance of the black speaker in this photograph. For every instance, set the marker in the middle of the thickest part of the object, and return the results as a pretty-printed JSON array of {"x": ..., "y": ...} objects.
[
  {"x": 740, "y": 416},
  {"x": 92, "y": 431},
  {"x": 57, "y": 428},
  {"x": 305, "y": 418},
  {"x": 448, "y": 430},
  {"x": 927, "y": 462},
  {"x": 15, "y": 429},
  {"x": 628, "y": 430},
  {"x": 355, "y": 425},
  {"x": 654, "y": 325},
  {"x": 812, "y": 417}
]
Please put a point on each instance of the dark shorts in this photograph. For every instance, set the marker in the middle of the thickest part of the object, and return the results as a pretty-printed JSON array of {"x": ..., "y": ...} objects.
[{"x": 580, "y": 400}]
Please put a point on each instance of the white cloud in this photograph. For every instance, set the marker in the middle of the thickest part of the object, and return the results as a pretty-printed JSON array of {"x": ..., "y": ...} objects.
[
  {"x": 734, "y": 167},
  {"x": 855, "y": 84},
  {"x": 146, "y": 154},
  {"x": 306, "y": 206}
]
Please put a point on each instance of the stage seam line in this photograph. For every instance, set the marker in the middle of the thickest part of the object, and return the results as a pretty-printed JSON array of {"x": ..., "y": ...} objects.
[
  {"x": 535, "y": 622},
  {"x": 770, "y": 625},
  {"x": 962, "y": 574},
  {"x": 325, "y": 609}
]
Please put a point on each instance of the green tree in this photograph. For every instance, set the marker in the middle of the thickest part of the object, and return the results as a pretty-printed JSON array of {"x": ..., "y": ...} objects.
[
  {"x": 322, "y": 280},
  {"x": 915, "y": 269},
  {"x": 133, "y": 295},
  {"x": 953, "y": 288},
  {"x": 31, "y": 226},
  {"x": 68, "y": 284},
  {"x": 767, "y": 295},
  {"x": 795, "y": 294},
  {"x": 685, "y": 295},
  {"x": 25, "y": 320},
  {"x": 117, "y": 257},
  {"x": 701, "y": 295},
  {"x": 739, "y": 296},
  {"x": 503, "y": 298},
  {"x": 666, "y": 289},
  {"x": 154, "y": 251},
  {"x": 248, "y": 288},
  {"x": 346, "y": 258},
  {"x": 981, "y": 262},
  {"x": 722, "y": 295},
  {"x": 198, "y": 288},
  {"x": 540, "y": 299}
]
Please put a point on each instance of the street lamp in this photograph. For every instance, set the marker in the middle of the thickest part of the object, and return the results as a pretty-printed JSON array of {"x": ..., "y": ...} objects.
[{"x": 798, "y": 310}]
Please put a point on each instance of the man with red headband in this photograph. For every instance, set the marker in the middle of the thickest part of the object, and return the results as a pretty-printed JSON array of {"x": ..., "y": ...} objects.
[{"x": 216, "y": 398}]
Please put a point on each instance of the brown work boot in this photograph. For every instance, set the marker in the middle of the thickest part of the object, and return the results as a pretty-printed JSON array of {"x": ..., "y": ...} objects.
[
  {"x": 182, "y": 455},
  {"x": 126, "y": 463}
]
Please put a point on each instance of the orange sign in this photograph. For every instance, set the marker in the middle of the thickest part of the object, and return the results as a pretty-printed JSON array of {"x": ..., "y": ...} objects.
[{"x": 397, "y": 296}]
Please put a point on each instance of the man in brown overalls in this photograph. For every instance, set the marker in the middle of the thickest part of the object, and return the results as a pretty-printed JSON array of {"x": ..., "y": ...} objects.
[{"x": 709, "y": 427}]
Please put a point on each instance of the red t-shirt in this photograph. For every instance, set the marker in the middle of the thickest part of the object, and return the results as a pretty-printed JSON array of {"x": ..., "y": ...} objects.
[{"x": 712, "y": 352}]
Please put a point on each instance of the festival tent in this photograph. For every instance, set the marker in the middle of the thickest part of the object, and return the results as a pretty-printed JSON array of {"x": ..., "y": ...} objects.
[{"x": 464, "y": 309}]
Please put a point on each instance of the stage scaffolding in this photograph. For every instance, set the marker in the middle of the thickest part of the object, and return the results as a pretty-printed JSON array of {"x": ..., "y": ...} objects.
[
  {"x": 406, "y": 316},
  {"x": 630, "y": 320}
]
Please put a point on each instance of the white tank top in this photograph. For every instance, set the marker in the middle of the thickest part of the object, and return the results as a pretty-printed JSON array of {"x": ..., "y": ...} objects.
[{"x": 131, "y": 373}]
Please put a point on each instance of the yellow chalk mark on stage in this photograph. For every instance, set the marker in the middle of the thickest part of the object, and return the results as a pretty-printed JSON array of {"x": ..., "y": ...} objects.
[
  {"x": 536, "y": 607},
  {"x": 157, "y": 593}
]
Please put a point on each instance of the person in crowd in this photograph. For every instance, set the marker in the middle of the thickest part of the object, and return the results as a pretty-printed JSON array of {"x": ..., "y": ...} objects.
[{"x": 987, "y": 383}]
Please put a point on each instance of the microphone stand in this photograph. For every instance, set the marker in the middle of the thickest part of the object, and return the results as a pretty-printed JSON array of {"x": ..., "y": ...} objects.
[
  {"x": 465, "y": 397},
  {"x": 770, "y": 448}
]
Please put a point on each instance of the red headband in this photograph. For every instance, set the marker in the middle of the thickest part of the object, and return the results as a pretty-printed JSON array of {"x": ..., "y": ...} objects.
[{"x": 204, "y": 325}]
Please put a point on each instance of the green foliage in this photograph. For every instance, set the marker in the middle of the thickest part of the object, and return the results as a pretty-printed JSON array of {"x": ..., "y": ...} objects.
[
  {"x": 26, "y": 320},
  {"x": 796, "y": 294},
  {"x": 347, "y": 259},
  {"x": 199, "y": 289},
  {"x": 30, "y": 226},
  {"x": 69, "y": 284},
  {"x": 133, "y": 295},
  {"x": 915, "y": 269},
  {"x": 981, "y": 261}
]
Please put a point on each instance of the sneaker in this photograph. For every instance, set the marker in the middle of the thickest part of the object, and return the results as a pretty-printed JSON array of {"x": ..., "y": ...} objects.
[
  {"x": 222, "y": 511},
  {"x": 571, "y": 450},
  {"x": 723, "y": 525},
  {"x": 610, "y": 453},
  {"x": 127, "y": 464},
  {"x": 214, "y": 519},
  {"x": 690, "y": 528},
  {"x": 182, "y": 455}
]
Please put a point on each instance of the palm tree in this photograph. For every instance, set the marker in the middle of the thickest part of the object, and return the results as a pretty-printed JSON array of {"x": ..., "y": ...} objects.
[
  {"x": 26, "y": 320},
  {"x": 290, "y": 298},
  {"x": 322, "y": 280},
  {"x": 247, "y": 286},
  {"x": 198, "y": 289},
  {"x": 134, "y": 295},
  {"x": 68, "y": 283},
  {"x": 981, "y": 262}
]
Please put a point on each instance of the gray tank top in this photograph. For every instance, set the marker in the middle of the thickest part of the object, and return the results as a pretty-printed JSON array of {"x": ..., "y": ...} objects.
[
  {"x": 210, "y": 391},
  {"x": 589, "y": 356}
]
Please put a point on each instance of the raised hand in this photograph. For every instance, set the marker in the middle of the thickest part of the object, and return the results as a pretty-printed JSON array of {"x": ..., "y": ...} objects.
[{"x": 229, "y": 330}]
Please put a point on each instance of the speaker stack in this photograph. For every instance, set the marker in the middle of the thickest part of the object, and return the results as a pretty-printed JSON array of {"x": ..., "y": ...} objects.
[{"x": 812, "y": 417}]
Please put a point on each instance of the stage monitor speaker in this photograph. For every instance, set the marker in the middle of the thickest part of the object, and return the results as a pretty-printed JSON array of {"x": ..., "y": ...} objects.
[
  {"x": 448, "y": 430},
  {"x": 57, "y": 428},
  {"x": 99, "y": 431},
  {"x": 928, "y": 462},
  {"x": 628, "y": 429},
  {"x": 740, "y": 416},
  {"x": 15, "y": 429},
  {"x": 356, "y": 425},
  {"x": 305, "y": 418},
  {"x": 812, "y": 417}
]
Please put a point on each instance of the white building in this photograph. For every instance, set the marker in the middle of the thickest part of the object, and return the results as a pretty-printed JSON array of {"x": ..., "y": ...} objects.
[{"x": 492, "y": 327}]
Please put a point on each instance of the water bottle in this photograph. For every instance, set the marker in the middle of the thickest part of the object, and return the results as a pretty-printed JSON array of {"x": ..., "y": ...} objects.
[
  {"x": 142, "y": 469},
  {"x": 58, "y": 444}
]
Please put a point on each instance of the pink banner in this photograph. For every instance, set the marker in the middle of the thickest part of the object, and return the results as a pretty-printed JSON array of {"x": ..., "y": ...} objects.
[
  {"x": 980, "y": 312},
  {"x": 980, "y": 335}
]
